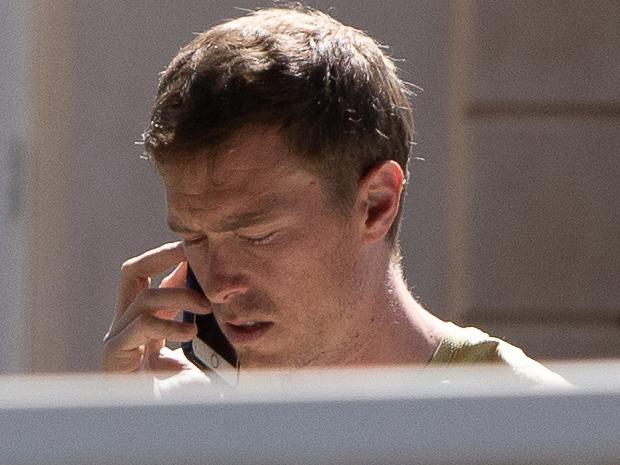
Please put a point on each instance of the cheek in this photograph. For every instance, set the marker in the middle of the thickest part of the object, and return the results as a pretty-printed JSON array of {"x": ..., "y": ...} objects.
[
  {"x": 293, "y": 276},
  {"x": 314, "y": 264},
  {"x": 318, "y": 268},
  {"x": 194, "y": 257}
]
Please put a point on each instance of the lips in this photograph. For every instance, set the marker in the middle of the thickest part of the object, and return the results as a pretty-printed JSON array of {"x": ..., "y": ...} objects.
[{"x": 246, "y": 332}]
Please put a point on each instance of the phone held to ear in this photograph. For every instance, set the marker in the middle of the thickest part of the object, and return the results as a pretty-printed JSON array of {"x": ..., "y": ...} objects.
[{"x": 209, "y": 349}]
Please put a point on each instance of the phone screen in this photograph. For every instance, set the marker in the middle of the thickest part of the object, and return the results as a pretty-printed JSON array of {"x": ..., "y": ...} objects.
[{"x": 209, "y": 349}]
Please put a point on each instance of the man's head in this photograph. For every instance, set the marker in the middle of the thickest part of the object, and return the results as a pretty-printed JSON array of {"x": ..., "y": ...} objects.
[
  {"x": 328, "y": 88},
  {"x": 282, "y": 138}
]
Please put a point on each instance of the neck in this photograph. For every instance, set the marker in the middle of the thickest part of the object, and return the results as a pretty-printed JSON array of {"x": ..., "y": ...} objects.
[{"x": 400, "y": 330}]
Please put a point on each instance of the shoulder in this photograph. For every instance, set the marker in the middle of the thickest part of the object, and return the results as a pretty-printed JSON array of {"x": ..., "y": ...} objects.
[{"x": 471, "y": 346}]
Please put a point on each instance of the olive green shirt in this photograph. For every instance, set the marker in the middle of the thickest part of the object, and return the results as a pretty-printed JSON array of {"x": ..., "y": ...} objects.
[{"x": 470, "y": 345}]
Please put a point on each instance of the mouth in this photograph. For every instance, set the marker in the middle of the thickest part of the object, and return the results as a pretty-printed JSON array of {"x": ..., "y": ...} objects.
[{"x": 246, "y": 332}]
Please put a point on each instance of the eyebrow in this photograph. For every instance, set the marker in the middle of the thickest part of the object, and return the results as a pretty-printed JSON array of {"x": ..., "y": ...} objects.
[
  {"x": 244, "y": 220},
  {"x": 230, "y": 223}
]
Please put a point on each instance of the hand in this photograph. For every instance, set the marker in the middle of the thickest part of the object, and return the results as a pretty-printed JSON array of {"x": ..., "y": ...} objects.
[{"x": 144, "y": 317}]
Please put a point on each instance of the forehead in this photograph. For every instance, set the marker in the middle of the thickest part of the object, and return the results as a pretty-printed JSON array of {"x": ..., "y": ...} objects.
[{"x": 254, "y": 169}]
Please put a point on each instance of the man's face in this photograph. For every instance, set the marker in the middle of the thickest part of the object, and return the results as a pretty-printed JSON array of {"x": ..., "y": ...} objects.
[{"x": 278, "y": 263}]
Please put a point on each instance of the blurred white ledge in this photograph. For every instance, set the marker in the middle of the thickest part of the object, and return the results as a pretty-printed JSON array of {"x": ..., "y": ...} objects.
[{"x": 390, "y": 416}]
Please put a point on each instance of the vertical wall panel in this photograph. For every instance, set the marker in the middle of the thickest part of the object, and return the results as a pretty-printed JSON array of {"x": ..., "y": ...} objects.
[
  {"x": 544, "y": 228},
  {"x": 546, "y": 220},
  {"x": 529, "y": 50},
  {"x": 50, "y": 132},
  {"x": 14, "y": 49}
]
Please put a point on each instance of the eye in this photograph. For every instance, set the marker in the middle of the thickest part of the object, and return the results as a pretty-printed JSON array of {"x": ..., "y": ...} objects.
[
  {"x": 260, "y": 240},
  {"x": 193, "y": 241}
]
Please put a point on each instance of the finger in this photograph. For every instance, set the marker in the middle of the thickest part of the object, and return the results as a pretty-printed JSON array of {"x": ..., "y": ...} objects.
[
  {"x": 177, "y": 277},
  {"x": 125, "y": 362},
  {"x": 153, "y": 347},
  {"x": 147, "y": 328},
  {"x": 136, "y": 272},
  {"x": 167, "y": 360},
  {"x": 125, "y": 353},
  {"x": 156, "y": 362},
  {"x": 167, "y": 301}
]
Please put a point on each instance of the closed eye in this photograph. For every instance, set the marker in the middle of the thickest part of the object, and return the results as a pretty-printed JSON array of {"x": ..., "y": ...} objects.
[
  {"x": 260, "y": 240},
  {"x": 189, "y": 242}
]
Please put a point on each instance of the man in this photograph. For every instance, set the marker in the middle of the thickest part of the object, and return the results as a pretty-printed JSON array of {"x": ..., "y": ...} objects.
[{"x": 282, "y": 139}]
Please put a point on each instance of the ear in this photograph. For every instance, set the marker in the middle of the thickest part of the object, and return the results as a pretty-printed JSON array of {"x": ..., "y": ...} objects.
[{"x": 378, "y": 198}]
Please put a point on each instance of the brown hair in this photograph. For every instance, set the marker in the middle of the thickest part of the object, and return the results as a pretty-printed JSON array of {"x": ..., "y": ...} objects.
[{"x": 330, "y": 89}]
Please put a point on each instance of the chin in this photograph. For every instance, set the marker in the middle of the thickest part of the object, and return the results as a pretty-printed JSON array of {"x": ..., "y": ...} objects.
[{"x": 250, "y": 360}]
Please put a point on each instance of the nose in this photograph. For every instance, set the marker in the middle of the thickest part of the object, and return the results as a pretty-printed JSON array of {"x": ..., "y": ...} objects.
[{"x": 221, "y": 277}]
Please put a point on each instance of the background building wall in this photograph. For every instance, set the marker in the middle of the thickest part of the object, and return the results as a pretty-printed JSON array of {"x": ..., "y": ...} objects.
[{"x": 544, "y": 165}]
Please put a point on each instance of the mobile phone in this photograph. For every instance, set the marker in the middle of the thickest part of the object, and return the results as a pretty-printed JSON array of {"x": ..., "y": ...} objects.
[{"x": 210, "y": 349}]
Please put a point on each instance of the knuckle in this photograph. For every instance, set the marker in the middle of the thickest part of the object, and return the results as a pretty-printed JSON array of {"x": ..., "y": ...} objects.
[
  {"x": 110, "y": 337},
  {"x": 111, "y": 345},
  {"x": 142, "y": 323},
  {"x": 141, "y": 298},
  {"x": 127, "y": 268},
  {"x": 144, "y": 301},
  {"x": 133, "y": 269},
  {"x": 151, "y": 327}
]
